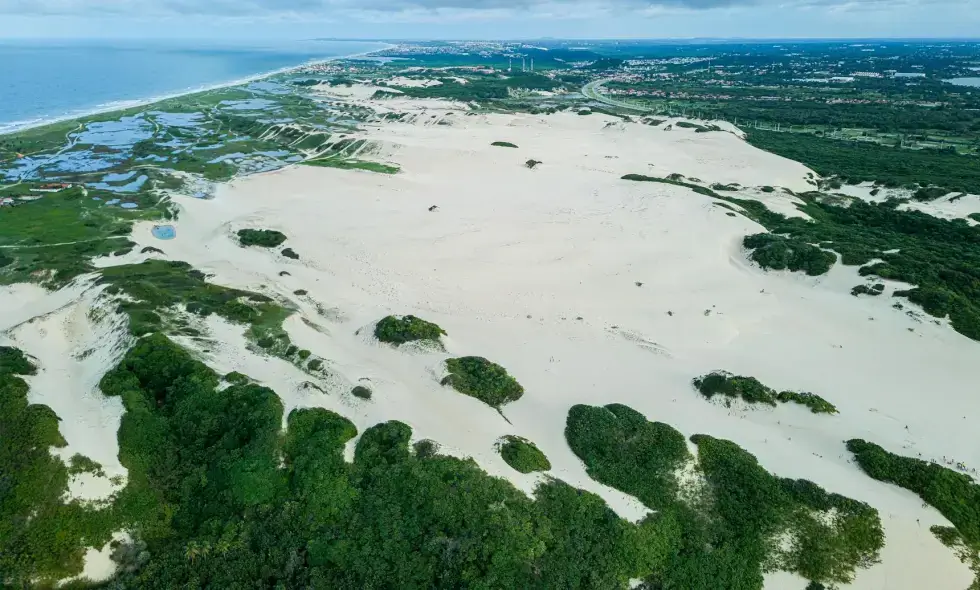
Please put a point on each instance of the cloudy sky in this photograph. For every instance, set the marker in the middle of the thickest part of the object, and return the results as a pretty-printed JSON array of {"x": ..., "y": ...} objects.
[{"x": 485, "y": 19}]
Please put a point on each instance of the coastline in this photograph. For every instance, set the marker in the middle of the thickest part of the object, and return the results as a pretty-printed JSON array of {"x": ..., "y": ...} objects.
[{"x": 122, "y": 105}]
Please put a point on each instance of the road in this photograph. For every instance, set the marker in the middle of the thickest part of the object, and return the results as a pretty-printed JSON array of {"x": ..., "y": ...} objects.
[{"x": 593, "y": 90}]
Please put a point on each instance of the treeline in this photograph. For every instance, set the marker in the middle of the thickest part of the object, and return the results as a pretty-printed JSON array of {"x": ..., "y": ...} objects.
[{"x": 856, "y": 162}]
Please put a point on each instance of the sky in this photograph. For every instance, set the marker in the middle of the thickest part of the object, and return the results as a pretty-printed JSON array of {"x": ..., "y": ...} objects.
[{"x": 488, "y": 19}]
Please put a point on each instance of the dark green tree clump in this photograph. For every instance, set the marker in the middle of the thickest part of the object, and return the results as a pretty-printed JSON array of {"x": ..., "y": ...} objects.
[
  {"x": 290, "y": 253},
  {"x": 42, "y": 536},
  {"x": 268, "y": 238},
  {"x": 523, "y": 455},
  {"x": 361, "y": 392},
  {"x": 504, "y": 144},
  {"x": 873, "y": 290},
  {"x": 486, "y": 381},
  {"x": 720, "y": 536},
  {"x": 218, "y": 496},
  {"x": 13, "y": 361},
  {"x": 399, "y": 330},
  {"x": 749, "y": 389},
  {"x": 753, "y": 391},
  {"x": 781, "y": 253}
]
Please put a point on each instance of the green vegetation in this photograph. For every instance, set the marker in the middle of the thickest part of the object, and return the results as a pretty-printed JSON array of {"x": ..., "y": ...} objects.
[
  {"x": 155, "y": 287},
  {"x": 531, "y": 163},
  {"x": 486, "y": 381},
  {"x": 523, "y": 455},
  {"x": 13, "y": 361},
  {"x": 955, "y": 495},
  {"x": 504, "y": 144},
  {"x": 776, "y": 252},
  {"x": 399, "y": 330},
  {"x": 42, "y": 537},
  {"x": 361, "y": 392},
  {"x": 753, "y": 391},
  {"x": 857, "y": 162},
  {"x": 290, "y": 253},
  {"x": 941, "y": 257},
  {"x": 974, "y": 216},
  {"x": 218, "y": 496},
  {"x": 267, "y": 238},
  {"x": 352, "y": 164},
  {"x": 52, "y": 240},
  {"x": 873, "y": 290},
  {"x": 722, "y": 535}
]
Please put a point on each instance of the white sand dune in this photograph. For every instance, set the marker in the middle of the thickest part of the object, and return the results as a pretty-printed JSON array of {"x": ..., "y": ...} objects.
[{"x": 538, "y": 270}]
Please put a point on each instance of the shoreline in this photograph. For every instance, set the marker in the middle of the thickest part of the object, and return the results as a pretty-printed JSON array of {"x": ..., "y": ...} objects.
[{"x": 15, "y": 127}]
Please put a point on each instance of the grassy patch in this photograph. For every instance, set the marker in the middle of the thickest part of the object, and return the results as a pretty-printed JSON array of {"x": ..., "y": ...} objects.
[
  {"x": 504, "y": 144},
  {"x": 753, "y": 391},
  {"x": 873, "y": 290},
  {"x": 267, "y": 238},
  {"x": 486, "y": 381},
  {"x": 352, "y": 164},
  {"x": 523, "y": 455},
  {"x": 399, "y": 330}
]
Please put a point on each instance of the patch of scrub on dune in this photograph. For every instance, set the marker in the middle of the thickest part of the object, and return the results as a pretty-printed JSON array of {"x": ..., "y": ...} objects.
[
  {"x": 730, "y": 535},
  {"x": 940, "y": 257},
  {"x": 42, "y": 535},
  {"x": 267, "y": 238},
  {"x": 955, "y": 495},
  {"x": 522, "y": 454},
  {"x": 400, "y": 330},
  {"x": 504, "y": 144},
  {"x": 752, "y": 391},
  {"x": 486, "y": 381}
]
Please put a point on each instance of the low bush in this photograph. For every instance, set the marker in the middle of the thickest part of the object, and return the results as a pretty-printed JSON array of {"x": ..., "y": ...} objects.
[
  {"x": 504, "y": 144},
  {"x": 776, "y": 252},
  {"x": 486, "y": 381},
  {"x": 522, "y": 454},
  {"x": 361, "y": 392},
  {"x": 290, "y": 253},
  {"x": 268, "y": 238},
  {"x": 873, "y": 290},
  {"x": 399, "y": 330},
  {"x": 753, "y": 391}
]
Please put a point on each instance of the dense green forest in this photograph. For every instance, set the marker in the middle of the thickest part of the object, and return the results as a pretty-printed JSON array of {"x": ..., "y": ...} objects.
[
  {"x": 722, "y": 536},
  {"x": 864, "y": 161},
  {"x": 218, "y": 496}
]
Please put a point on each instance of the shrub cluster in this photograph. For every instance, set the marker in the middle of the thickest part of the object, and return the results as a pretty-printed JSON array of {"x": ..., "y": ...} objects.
[
  {"x": 523, "y": 455},
  {"x": 776, "y": 252},
  {"x": 399, "y": 330},
  {"x": 720, "y": 535},
  {"x": 486, "y": 381},
  {"x": 753, "y": 391},
  {"x": 268, "y": 238}
]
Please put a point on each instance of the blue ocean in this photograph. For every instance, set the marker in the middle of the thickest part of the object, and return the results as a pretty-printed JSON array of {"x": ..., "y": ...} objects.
[{"x": 47, "y": 80}]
